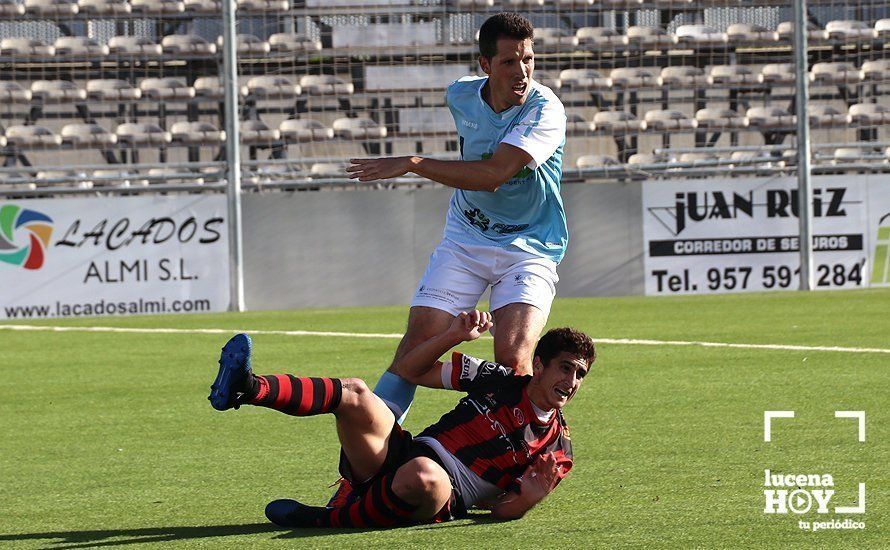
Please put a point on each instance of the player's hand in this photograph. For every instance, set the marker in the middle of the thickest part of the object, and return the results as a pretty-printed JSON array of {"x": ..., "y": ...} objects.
[
  {"x": 470, "y": 325},
  {"x": 378, "y": 169},
  {"x": 540, "y": 478}
]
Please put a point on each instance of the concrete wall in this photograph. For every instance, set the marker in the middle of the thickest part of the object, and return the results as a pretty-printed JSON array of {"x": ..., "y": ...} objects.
[{"x": 354, "y": 248}]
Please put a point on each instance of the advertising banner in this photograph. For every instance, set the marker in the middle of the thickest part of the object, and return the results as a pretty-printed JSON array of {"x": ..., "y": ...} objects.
[
  {"x": 112, "y": 256},
  {"x": 732, "y": 235},
  {"x": 879, "y": 230}
]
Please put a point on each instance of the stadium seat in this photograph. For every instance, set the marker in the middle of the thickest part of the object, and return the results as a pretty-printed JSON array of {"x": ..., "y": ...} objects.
[
  {"x": 208, "y": 87},
  {"x": 157, "y": 7},
  {"x": 271, "y": 87},
  {"x": 600, "y": 37},
  {"x": 116, "y": 178},
  {"x": 301, "y": 130},
  {"x": 697, "y": 157},
  {"x": 720, "y": 119},
  {"x": 203, "y": 6},
  {"x": 700, "y": 35},
  {"x": 546, "y": 78},
  {"x": 134, "y": 46},
  {"x": 328, "y": 170},
  {"x": 566, "y": 4},
  {"x": 263, "y": 5},
  {"x": 142, "y": 134},
  {"x": 187, "y": 44},
  {"x": 826, "y": 116},
  {"x": 293, "y": 43},
  {"x": 69, "y": 177},
  {"x": 682, "y": 77},
  {"x": 256, "y": 132},
  {"x": 166, "y": 89},
  {"x": 51, "y": 8},
  {"x": 882, "y": 28},
  {"x": 638, "y": 159},
  {"x": 616, "y": 122},
  {"x": 104, "y": 7},
  {"x": 668, "y": 119},
  {"x": 325, "y": 84},
  {"x": 777, "y": 74},
  {"x": 582, "y": 79},
  {"x": 835, "y": 73},
  {"x": 844, "y": 155},
  {"x": 575, "y": 124},
  {"x": 596, "y": 161},
  {"x": 57, "y": 91},
  {"x": 13, "y": 92},
  {"x": 80, "y": 136},
  {"x": 248, "y": 44},
  {"x": 31, "y": 137},
  {"x": 558, "y": 38},
  {"x": 850, "y": 31},
  {"x": 79, "y": 46},
  {"x": 770, "y": 117},
  {"x": 617, "y": 4},
  {"x": 814, "y": 34},
  {"x": 732, "y": 75},
  {"x": 162, "y": 176},
  {"x": 753, "y": 158},
  {"x": 650, "y": 37},
  {"x": 25, "y": 47},
  {"x": 11, "y": 8},
  {"x": 876, "y": 70},
  {"x": 869, "y": 114},
  {"x": 519, "y": 4},
  {"x": 743, "y": 33},
  {"x": 358, "y": 128},
  {"x": 112, "y": 90},
  {"x": 196, "y": 133},
  {"x": 632, "y": 78}
]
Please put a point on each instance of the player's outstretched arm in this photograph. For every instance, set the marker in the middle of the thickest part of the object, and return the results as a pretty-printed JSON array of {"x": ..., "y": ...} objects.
[
  {"x": 538, "y": 481},
  {"x": 420, "y": 365},
  {"x": 470, "y": 175}
]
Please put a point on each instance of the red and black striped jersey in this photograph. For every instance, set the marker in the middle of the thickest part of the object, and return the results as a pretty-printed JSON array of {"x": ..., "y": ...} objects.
[{"x": 495, "y": 430}]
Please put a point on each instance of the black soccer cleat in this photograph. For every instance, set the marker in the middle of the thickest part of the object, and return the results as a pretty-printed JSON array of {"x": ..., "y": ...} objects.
[
  {"x": 286, "y": 512},
  {"x": 234, "y": 373}
]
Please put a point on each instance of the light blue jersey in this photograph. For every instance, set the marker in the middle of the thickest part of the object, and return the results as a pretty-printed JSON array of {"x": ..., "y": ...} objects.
[{"x": 526, "y": 212}]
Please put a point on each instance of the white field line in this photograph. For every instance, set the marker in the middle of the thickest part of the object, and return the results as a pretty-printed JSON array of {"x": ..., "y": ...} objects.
[{"x": 617, "y": 341}]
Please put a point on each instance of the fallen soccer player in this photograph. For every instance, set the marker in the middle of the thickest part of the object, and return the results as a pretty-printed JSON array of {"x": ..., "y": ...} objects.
[{"x": 504, "y": 447}]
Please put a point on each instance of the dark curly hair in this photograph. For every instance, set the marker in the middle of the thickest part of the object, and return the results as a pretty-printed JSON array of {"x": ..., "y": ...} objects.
[
  {"x": 503, "y": 25},
  {"x": 558, "y": 340}
]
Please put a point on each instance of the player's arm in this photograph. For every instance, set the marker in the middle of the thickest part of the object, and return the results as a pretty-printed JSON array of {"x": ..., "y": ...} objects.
[
  {"x": 538, "y": 481},
  {"x": 470, "y": 175},
  {"x": 421, "y": 365}
]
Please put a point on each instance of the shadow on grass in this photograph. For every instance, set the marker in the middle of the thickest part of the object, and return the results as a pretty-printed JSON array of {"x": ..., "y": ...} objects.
[{"x": 123, "y": 537}]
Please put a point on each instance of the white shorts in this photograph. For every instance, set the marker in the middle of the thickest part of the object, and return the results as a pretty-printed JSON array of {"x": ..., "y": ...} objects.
[{"x": 458, "y": 275}]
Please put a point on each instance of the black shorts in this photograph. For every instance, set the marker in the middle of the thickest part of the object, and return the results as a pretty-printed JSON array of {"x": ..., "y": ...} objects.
[{"x": 402, "y": 449}]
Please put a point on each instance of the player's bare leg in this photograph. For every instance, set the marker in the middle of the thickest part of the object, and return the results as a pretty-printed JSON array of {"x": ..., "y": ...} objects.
[
  {"x": 517, "y": 329},
  {"x": 424, "y": 484},
  {"x": 364, "y": 423},
  {"x": 423, "y": 323}
]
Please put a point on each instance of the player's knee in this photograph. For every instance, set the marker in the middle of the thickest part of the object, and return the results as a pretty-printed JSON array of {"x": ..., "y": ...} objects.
[
  {"x": 421, "y": 480},
  {"x": 355, "y": 390}
]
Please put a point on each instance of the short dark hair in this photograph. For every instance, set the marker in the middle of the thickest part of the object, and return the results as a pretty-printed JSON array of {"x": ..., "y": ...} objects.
[
  {"x": 558, "y": 340},
  {"x": 503, "y": 25}
]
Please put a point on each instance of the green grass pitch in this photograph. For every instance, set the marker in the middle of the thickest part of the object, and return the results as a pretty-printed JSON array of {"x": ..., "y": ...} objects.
[{"x": 108, "y": 438}]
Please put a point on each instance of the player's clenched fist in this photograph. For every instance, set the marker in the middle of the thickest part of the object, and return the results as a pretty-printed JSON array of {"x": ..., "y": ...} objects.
[{"x": 469, "y": 325}]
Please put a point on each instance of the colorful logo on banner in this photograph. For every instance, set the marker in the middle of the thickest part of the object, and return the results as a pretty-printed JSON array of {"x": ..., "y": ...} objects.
[
  {"x": 880, "y": 274},
  {"x": 30, "y": 225}
]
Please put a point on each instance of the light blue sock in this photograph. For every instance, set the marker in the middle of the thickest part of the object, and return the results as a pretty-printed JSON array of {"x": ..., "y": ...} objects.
[{"x": 397, "y": 393}]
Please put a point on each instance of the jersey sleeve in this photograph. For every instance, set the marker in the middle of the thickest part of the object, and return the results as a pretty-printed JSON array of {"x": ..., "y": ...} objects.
[
  {"x": 469, "y": 374},
  {"x": 540, "y": 132}
]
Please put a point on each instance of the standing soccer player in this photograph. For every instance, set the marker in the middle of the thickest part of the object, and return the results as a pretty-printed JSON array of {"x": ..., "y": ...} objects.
[{"x": 506, "y": 227}]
